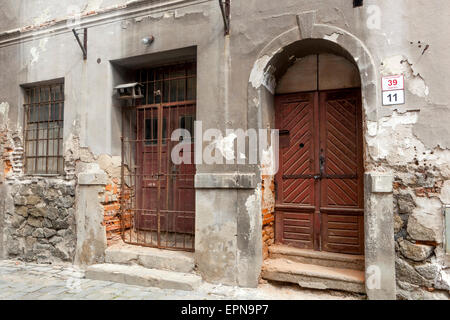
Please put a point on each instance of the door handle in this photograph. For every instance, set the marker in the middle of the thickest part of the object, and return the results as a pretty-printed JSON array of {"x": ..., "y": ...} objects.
[{"x": 317, "y": 177}]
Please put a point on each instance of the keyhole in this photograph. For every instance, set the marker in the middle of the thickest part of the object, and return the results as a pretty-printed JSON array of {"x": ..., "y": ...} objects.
[{"x": 302, "y": 145}]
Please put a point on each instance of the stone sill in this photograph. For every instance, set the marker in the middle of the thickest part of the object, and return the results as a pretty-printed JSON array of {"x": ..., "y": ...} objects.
[
  {"x": 44, "y": 175},
  {"x": 35, "y": 177}
]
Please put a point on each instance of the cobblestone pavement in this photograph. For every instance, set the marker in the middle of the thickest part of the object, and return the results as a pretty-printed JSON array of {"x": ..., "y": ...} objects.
[{"x": 27, "y": 281}]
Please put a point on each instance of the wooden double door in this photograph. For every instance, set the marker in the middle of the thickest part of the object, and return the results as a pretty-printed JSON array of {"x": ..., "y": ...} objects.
[{"x": 319, "y": 184}]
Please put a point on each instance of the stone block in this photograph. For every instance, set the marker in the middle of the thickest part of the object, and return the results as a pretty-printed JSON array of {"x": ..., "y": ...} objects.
[
  {"x": 92, "y": 178},
  {"x": 381, "y": 183},
  {"x": 426, "y": 221},
  {"x": 415, "y": 252},
  {"x": 140, "y": 276}
]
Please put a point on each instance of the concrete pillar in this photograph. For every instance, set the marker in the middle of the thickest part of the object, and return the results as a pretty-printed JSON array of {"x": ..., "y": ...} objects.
[
  {"x": 379, "y": 236},
  {"x": 91, "y": 234},
  {"x": 228, "y": 244}
]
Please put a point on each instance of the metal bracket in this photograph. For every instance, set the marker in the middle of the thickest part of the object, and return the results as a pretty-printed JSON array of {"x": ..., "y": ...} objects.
[
  {"x": 225, "y": 9},
  {"x": 83, "y": 45}
]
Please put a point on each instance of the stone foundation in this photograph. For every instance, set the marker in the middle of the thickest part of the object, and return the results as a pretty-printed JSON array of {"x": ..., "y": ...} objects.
[
  {"x": 39, "y": 221},
  {"x": 418, "y": 216}
]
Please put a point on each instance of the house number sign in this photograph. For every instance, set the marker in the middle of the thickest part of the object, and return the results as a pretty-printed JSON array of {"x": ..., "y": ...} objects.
[{"x": 393, "y": 88}]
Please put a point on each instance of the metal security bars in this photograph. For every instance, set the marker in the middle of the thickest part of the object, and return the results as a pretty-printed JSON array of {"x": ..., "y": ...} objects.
[
  {"x": 43, "y": 133},
  {"x": 158, "y": 199}
]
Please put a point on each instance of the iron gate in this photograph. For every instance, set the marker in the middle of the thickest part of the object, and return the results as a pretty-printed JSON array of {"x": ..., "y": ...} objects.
[{"x": 157, "y": 194}]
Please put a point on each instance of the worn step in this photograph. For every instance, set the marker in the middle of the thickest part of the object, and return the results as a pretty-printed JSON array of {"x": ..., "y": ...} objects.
[
  {"x": 313, "y": 276},
  {"x": 141, "y": 276},
  {"x": 321, "y": 258},
  {"x": 152, "y": 258}
]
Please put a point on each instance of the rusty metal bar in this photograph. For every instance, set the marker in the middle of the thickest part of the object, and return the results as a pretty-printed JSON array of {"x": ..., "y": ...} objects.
[
  {"x": 225, "y": 9},
  {"x": 83, "y": 45}
]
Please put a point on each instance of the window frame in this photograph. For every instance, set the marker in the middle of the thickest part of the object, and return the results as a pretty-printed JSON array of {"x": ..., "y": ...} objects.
[{"x": 53, "y": 121}]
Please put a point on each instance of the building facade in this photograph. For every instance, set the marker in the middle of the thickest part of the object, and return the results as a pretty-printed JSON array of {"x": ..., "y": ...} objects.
[{"x": 92, "y": 92}]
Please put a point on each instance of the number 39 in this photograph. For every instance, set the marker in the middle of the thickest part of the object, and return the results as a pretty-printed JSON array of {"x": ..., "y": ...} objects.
[{"x": 392, "y": 82}]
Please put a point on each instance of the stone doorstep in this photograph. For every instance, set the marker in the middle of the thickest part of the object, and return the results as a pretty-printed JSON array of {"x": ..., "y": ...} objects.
[
  {"x": 314, "y": 276},
  {"x": 141, "y": 276},
  {"x": 152, "y": 258},
  {"x": 320, "y": 258}
]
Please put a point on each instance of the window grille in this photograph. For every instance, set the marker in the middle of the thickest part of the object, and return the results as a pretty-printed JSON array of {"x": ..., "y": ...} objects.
[{"x": 44, "y": 118}]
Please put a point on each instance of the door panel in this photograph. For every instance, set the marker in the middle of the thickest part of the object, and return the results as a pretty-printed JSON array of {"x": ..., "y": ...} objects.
[
  {"x": 295, "y": 188},
  {"x": 319, "y": 186},
  {"x": 342, "y": 183}
]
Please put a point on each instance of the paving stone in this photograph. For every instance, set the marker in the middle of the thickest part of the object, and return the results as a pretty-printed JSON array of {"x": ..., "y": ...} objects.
[{"x": 31, "y": 281}]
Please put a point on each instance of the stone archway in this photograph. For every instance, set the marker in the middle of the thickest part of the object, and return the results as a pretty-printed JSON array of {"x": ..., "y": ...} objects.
[{"x": 306, "y": 38}]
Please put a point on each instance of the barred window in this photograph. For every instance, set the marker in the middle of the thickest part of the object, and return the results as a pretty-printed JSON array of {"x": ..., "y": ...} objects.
[{"x": 44, "y": 118}]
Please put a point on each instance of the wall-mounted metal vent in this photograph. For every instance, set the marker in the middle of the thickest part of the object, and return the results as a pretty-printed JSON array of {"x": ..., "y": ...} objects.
[{"x": 357, "y": 3}]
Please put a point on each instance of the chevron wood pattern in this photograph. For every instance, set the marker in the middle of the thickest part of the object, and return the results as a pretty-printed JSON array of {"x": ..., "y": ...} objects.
[{"x": 326, "y": 213}]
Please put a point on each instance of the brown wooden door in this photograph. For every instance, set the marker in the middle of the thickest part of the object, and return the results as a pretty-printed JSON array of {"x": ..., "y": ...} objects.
[
  {"x": 319, "y": 186},
  {"x": 165, "y": 189}
]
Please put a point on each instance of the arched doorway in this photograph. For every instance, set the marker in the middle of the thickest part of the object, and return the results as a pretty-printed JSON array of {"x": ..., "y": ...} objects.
[
  {"x": 319, "y": 185},
  {"x": 310, "y": 38}
]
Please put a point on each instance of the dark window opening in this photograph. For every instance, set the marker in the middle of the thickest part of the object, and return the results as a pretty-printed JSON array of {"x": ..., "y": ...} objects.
[
  {"x": 151, "y": 131},
  {"x": 187, "y": 123}
]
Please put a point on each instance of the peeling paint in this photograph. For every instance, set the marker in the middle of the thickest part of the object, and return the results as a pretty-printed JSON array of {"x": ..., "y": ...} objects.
[
  {"x": 390, "y": 141},
  {"x": 259, "y": 77},
  {"x": 268, "y": 162},
  {"x": 225, "y": 145},
  {"x": 252, "y": 205},
  {"x": 4, "y": 108},
  {"x": 332, "y": 37},
  {"x": 414, "y": 81},
  {"x": 372, "y": 128},
  {"x": 256, "y": 102},
  {"x": 398, "y": 119},
  {"x": 93, "y": 5},
  {"x": 43, "y": 44},
  {"x": 417, "y": 86},
  {"x": 43, "y": 17},
  {"x": 34, "y": 52}
]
